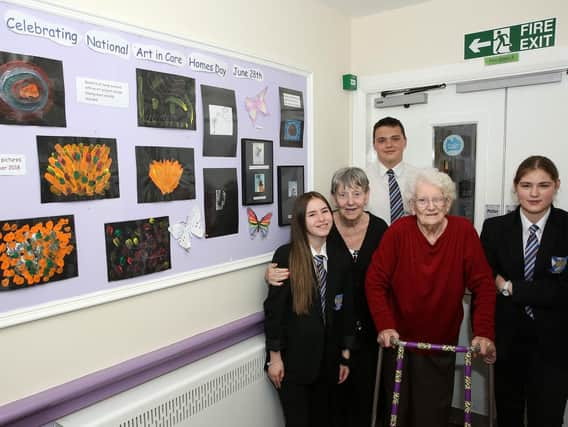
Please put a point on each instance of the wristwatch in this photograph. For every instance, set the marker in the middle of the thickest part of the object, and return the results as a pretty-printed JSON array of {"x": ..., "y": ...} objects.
[{"x": 505, "y": 289}]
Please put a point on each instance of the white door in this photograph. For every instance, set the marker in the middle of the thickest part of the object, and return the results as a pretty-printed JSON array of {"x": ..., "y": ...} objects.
[
  {"x": 536, "y": 124},
  {"x": 512, "y": 124},
  {"x": 486, "y": 109}
]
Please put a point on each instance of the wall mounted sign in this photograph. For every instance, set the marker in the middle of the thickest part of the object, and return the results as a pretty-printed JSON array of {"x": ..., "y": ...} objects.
[{"x": 515, "y": 38}]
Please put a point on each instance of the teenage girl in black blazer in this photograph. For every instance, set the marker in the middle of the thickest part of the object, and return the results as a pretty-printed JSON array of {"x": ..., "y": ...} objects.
[
  {"x": 532, "y": 312},
  {"x": 308, "y": 350}
]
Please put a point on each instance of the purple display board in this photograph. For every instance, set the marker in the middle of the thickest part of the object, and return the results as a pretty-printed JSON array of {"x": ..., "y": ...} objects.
[{"x": 99, "y": 67}]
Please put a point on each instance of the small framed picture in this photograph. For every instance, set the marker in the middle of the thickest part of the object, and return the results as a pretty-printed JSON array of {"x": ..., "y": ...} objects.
[
  {"x": 290, "y": 186},
  {"x": 257, "y": 172}
]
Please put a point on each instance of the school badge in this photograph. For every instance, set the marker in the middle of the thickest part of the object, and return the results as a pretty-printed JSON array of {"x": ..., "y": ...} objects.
[{"x": 558, "y": 264}]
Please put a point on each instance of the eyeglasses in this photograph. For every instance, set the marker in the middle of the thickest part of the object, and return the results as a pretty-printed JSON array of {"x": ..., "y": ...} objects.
[
  {"x": 438, "y": 202},
  {"x": 344, "y": 195}
]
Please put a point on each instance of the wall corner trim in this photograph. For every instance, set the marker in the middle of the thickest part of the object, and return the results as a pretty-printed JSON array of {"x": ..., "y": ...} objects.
[{"x": 69, "y": 397}]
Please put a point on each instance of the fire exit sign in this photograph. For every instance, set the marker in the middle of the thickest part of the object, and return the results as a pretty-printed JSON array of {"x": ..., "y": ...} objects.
[{"x": 516, "y": 38}]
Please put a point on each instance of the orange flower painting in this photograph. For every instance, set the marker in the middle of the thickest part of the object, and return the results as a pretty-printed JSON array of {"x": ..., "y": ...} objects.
[
  {"x": 165, "y": 174},
  {"x": 36, "y": 251},
  {"x": 76, "y": 168}
]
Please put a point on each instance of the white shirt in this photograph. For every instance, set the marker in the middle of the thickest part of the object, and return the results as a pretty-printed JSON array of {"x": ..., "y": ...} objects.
[
  {"x": 527, "y": 224},
  {"x": 323, "y": 251},
  {"x": 379, "y": 197}
]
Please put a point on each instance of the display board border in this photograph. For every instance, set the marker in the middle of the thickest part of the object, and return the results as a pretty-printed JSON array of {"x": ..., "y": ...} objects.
[{"x": 65, "y": 305}]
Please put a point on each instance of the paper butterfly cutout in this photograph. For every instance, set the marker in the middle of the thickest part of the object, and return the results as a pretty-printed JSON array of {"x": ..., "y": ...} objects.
[
  {"x": 183, "y": 230},
  {"x": 255, "y": 105},
  {"x": 256, "y": 226}
]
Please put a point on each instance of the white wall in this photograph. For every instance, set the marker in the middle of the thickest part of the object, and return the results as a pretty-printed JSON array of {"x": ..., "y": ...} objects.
[
  {"x": 300, "y": 33},
  {"x": 432, "y": 33},
  {"x": 409, "y": 41}
]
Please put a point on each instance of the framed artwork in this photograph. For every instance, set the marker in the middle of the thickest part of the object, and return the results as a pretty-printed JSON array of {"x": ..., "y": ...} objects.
[
  {"x": 164, "y": 174},
  {"x": 221, "y": 201},
  {"x": 257, "y": 172},
  {"x": 291, "y": 118},
  {"x": 165, "y": 100},
  {"x": 77, "y": 168},
  {"x": 290, "y": 185},
  {"x": 219, "y": 121},
  {"x": 37, "y": 251},
  {"x": 135, "y": 248},
  {"x": 31, "y": 91}
]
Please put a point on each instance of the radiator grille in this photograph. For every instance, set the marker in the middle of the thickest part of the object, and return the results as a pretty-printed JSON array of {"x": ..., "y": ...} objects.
[
  {"x": 201, "y": 397},
  {"x": 225, "y": 388}
]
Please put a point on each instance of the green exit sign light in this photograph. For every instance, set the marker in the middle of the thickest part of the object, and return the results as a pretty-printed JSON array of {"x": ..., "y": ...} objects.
[{"x": 349, "y": 82}]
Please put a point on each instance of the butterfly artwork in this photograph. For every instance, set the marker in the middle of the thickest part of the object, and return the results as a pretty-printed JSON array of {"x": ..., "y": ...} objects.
[
  {"x": 256, "y": 225},
  {"x": 256, "y": 105},
  {"x": 182, "y": 231}
]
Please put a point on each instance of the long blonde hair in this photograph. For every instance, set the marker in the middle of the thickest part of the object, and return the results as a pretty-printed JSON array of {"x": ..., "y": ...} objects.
[{"x": 300, "y": 262}]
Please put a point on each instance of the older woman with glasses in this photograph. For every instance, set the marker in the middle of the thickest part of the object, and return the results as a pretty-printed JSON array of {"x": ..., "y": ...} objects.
[
  {"x": 415, "y": 285},
  {"x": 357, "y": 233}
]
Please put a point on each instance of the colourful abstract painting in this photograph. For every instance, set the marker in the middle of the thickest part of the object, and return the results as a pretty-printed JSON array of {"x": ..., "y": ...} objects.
[
  {"x": 77, "y": 168},
  {"x": 31, "y": 91},
  {"x": 165, "y": 100},
  {"x": 36, "y": 251},
  {"x": 136, "y": 248},
  {"x": 165, "y": 174}
]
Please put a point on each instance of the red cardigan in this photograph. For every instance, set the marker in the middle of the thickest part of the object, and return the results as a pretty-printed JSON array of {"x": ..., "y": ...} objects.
[{"x": 417, "y": 288}]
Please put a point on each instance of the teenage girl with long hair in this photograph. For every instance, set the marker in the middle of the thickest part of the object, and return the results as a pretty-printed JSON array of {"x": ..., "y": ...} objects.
[{"x": 309, "y": 319}]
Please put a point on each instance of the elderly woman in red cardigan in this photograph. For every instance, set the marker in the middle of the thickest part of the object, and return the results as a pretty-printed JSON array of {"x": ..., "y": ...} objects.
[{"x": 415, "y": 285}]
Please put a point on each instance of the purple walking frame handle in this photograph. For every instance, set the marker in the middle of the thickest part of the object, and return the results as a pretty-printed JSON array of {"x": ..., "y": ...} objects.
[{"x": 436, "y": 347}]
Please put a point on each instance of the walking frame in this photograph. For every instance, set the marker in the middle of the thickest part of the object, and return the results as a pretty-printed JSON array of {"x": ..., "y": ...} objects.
[{"x": 398, "y": 379}]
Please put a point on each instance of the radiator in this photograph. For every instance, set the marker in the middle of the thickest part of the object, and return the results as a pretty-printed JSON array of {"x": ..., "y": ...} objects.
[{"x": 228, "y": 388}]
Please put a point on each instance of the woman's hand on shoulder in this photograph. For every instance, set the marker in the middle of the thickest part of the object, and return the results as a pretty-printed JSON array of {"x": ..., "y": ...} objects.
[{"x": 276, "y": 276}]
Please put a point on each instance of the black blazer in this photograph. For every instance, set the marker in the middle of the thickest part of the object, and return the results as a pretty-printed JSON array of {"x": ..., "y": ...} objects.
[
  {"x": 306, "y": 343},
  {"x": 547, "y": 294},
  {"x": 365, "y": 326}
]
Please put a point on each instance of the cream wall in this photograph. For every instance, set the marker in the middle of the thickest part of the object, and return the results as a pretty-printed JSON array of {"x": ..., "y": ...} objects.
[
  {"x": 432, "y": 33},
  {"x": 300, "y": 33}
]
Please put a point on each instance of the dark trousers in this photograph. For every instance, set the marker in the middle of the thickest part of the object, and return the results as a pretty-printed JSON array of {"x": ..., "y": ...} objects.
[
  {"x": 306, "y": 405},
  {"x": 528, "y": 379},
  {"x": 356, "y": 393},
  {"x": 426, "y": 388}
]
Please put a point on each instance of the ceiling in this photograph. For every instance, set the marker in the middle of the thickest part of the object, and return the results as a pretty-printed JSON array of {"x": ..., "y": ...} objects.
[{"x": 368, "y": 7}]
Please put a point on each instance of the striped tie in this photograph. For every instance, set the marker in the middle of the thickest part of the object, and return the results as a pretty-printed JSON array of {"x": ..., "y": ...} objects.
[
  {"x": 530, "y": 258},
  {"x": 322, "y": 280},
  {"x": 395, "y": 197}
]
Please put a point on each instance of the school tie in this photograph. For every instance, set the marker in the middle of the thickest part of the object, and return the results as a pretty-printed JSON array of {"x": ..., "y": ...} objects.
[
  {"x": 530, "y": 258},
  {"x": 395, "y": 197},
  {"x": 322, "y": 280}
]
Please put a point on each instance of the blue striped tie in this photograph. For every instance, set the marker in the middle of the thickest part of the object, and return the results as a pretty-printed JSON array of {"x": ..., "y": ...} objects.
[
  {"x": 322, "y": 280},
  {"x": 530, "y": 259},
  {"x": 395, "y": 197}
]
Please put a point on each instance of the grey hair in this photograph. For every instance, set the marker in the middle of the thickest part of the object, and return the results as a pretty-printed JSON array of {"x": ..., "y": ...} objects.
[
  {"x": 349, "y": 177},
  {"x": 433, "y": 177}
]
